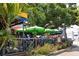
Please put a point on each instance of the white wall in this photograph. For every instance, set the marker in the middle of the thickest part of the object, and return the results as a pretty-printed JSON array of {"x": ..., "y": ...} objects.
[{"x": 73, "y": 33}]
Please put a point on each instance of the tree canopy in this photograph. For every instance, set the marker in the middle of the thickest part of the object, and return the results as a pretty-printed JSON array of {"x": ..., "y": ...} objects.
[{"x": 42, "y": 13}]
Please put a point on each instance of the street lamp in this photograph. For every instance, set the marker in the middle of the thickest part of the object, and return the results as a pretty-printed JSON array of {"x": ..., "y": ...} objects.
[{"x": 64, "y": 28}]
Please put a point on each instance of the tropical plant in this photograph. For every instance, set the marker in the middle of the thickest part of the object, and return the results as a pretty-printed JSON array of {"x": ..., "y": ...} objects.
[{"x": 8, "y": 12}]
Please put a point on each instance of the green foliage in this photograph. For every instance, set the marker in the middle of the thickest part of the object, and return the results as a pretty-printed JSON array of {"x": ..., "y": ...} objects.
[
  {"x": 77, "y": 20},
  {"x": 40, "y": 14},
  {"x": 8, "y": 12},
  {"x": 47, "y": 48},
  {"x": 5, "y": 38}
]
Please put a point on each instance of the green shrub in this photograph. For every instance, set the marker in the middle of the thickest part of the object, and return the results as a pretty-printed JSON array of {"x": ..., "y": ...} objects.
[
  {"x": 64, "y": 45},
  {"x": 46, "y": 49}
]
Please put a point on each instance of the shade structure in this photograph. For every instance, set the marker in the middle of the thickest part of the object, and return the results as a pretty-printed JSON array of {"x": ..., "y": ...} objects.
[
  {"x": 48, "y": 30},
  {"x": 52, "y": 31},
  {"x": 21, "y": 30},
  {"x": 56, "y": 31},
  {"x": 22, "y": 14},
  {"x": 21, "y": 19},
  {"x": 35, "y": 29}
]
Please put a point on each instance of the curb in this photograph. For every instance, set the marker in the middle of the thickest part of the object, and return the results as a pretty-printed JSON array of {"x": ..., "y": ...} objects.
[{"x": 58, "y": 52}]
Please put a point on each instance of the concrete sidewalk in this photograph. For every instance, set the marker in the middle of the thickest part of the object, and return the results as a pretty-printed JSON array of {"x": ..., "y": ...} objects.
[{"x": 72, "y": 52}]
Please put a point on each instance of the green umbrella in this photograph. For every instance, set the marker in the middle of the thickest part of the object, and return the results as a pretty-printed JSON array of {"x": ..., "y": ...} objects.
[
  {"x": 56, "y": 31},
  {"x": 52, "y": 31},
  {"x": 35, "y": 29},
  {"x": 48, "y": 30}
]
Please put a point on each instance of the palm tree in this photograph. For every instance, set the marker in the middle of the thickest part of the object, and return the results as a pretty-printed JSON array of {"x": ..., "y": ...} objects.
[{"x": 8, "y": 12}]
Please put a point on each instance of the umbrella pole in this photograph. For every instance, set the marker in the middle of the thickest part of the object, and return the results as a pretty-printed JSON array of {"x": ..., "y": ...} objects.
[
  {"x": 35, "y": 42},
  {"x": 23, "y": 29}
]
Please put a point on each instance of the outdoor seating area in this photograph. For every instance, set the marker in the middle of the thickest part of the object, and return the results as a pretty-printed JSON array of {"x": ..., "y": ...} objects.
[
  {"x": 26, "y": 34},
  {"x": 31, "y": 37}
]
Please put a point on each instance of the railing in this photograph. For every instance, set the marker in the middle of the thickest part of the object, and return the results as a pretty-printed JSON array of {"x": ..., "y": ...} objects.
[{"x": 24, "y": 44}]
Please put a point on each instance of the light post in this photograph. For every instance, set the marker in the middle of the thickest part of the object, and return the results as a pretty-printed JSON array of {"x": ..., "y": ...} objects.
[{"x": 64, "y": 28}]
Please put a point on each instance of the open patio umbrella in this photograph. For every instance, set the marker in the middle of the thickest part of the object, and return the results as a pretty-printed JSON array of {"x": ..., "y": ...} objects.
[
  {"x": 56, "y": 31},
  {"x": 35, "y": 29},
  {"x": 21, "y": 19},
  {"x": 52, "y": 31},
  {"x": 19, "y": 28},
  {"x": 22, "y": 14},
  {"x": 48, "y": 30}
]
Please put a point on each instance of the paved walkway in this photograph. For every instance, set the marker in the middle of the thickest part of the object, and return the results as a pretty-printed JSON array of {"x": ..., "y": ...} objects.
[{"x": 72, "y": 52}]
